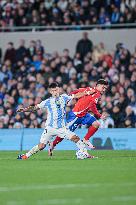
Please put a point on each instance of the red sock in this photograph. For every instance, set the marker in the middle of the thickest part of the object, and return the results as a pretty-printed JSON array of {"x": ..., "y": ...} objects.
[
  {"x": 90, "y": 132},
  {"x": 57, "y": 141}
]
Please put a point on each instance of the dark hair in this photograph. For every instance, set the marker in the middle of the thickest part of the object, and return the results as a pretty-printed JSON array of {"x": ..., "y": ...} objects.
[
  {"x": 102, "y": 82},
  {"x": 54, "y": 85},
  {"x": 11, "y": 43}
]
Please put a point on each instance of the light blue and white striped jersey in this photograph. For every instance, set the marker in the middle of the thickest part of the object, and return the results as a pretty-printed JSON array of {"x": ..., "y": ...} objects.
[{"x": 56, "y": 110}]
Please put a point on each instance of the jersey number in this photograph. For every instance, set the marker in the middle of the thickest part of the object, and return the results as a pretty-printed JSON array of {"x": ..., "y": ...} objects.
[{"x": 96, "y": 100}]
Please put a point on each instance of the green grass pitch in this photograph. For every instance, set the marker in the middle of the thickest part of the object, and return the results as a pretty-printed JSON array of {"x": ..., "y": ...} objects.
[{"x": 62, "y": 179}]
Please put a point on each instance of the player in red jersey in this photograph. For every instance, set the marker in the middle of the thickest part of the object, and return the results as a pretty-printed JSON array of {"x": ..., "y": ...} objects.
[{"x": 79, "y": 115}]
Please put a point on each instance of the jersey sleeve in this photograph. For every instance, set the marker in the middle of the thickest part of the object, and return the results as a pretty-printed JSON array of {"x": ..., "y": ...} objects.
[
  {"x": 43, "y": 104},
  {"x": 78, "y": 90},
  {"x": 67, "y": 98},
  {"x": 92, "y": 90}
]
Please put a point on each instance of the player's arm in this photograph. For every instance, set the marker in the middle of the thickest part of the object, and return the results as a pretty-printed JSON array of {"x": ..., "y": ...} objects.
[
  {"x": 29, "y": 109},
  {"x": 79, "y": 95},
  {"x": 94, "y": 110},
  {"x": 34, "y": 108},
  {"x": 77, "y": 91},
  {"x": 87, "y": 91},
  {"x": 82, "y": 93}
]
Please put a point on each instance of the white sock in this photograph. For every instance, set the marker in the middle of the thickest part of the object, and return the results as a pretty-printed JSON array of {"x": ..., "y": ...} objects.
[
  {"x": 34, "y": 150},
  {"x": 80, "y": 145}
]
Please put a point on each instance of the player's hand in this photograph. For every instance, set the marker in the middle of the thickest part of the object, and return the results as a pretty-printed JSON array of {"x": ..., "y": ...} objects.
[{"x": 20, "y": 110}]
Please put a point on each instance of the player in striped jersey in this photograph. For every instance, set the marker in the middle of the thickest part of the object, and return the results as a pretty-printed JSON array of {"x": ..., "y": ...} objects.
[
  {"x": 56, "y": 120},
  {"x": 79, "y": 115}
]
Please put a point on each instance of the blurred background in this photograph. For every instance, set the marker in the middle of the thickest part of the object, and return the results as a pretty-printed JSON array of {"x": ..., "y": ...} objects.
[{"x": 73, "y": 42}]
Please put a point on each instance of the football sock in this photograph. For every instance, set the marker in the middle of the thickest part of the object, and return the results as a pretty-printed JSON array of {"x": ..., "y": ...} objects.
[
  {"x": 90, "y": 132},
  {"x": 80, "y": 144},
  {"x": 57, "y": 141},
  {"x": 34, "y": 150}
]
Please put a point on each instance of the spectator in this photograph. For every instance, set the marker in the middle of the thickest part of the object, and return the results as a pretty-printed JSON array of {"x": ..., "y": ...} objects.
[
  {"x": 39, "y": 48},
  {"x": 115, "y": 15},
  {"x": 18, "y": 125},
  {"x": 0, "y": 54},
  {"x": 129, "y": 117},
  {"x": 108, "y": 123},
  {"x": 10, "y": 53},
  {"x": 64, "y": 12},
  {"x": 21, "y": 52},
  {"x": 102, "y": 16},
  {"x": 32, "y": 49},
  {"x": 84, "y": 46},
  {"x": 49, "y": 4},
  {"x": 36, "y": 62},
  {"x": 62, "y": 5}
]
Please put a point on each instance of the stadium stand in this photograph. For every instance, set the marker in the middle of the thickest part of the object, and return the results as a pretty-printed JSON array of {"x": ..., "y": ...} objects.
[
  {"x": 66, "y": 12},
  {"x": 25, "y": 73}
]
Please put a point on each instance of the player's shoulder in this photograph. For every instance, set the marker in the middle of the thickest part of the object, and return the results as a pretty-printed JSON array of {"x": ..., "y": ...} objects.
[
  {"x": 88, "y": 89},
  {"x": 64, "y": 95},
  {"x": 94, "y": 88},
  {"x": 46, "y": 101},
  {"x": 43, "y": 104}
]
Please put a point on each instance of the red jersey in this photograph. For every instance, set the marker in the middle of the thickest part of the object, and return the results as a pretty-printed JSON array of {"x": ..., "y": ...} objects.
[{"x": 87, "y": 102}]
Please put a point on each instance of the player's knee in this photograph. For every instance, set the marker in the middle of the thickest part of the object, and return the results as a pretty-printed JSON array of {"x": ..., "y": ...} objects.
[
  {"x": 96, "y": 124},
  {"x": 41, "y": 146},
  {"x": 75, "y": 138}
]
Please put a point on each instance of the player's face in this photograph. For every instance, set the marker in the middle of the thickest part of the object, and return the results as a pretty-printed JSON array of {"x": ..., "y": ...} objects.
[
  {"x": 102, "y": 88},
  {"x": 55, "y": 92}
]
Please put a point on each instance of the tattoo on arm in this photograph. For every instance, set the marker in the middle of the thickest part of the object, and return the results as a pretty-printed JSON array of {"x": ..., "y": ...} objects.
[
  {"x": 31, "y": 108},
  {"x": 28, "y": 109}
]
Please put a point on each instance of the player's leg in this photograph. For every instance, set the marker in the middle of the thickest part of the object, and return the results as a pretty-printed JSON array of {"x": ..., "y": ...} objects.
[
  {"x": 66, "y": 133},
  {"x": 35, "y": 149},
  {"x": 94, "y": 125},
  {"x": 81, "y": 145},
  {"x": 72, "y": 123},
  {"x": 53, "y": 144},
  {"x": 32, "y": 151},
  {"x": 45, "y": 137}
]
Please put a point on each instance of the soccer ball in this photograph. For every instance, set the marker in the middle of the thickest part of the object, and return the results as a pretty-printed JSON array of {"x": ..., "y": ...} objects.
[{"x": 81, "y": 154}]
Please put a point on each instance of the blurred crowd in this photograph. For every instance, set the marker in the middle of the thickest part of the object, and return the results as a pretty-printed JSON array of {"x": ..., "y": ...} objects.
[
  {"x": 25, "y": 73},
  {"x": 66, "y": 12}
]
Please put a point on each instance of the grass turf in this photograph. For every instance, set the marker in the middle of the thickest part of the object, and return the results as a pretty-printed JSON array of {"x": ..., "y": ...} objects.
[{"x": 110, "y": 179}]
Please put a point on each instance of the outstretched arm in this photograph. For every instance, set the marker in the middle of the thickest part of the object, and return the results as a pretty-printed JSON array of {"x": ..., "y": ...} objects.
[
  {"x": 83, "y": 93},
  {"x": 28, "y": 109},
  {"x": 88, "y": 91},
  {"x": 94, "y": 110},
  {"x": 77, "y": 91}
]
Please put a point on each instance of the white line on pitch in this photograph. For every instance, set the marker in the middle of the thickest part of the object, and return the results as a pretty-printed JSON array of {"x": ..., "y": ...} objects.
[
  {"x": 124, "y": 198},
  {"x": 60, "y": 186},
  {"x": 74, "y": 201},
  {"x": 48, "y": 201}
]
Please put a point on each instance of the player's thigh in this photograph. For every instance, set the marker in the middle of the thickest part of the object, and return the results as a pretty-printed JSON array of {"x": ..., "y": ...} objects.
[
  {"x": 74, "y": 125},
  {"x": 88, "y": 119},
  {"x": 65, "y": 133},
  {"x": 73, "y": 121},
  {"x": 47, "y": 134},
  {"x": 70, "y": 116}
]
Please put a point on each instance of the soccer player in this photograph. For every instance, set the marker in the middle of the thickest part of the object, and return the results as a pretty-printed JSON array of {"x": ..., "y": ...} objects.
[
  {"x": 79, "y": 115},
  {"x": 56, "y": 120}
]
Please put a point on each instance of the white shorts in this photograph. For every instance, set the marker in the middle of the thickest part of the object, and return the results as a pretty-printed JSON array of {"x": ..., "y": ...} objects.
[{"x": 50, "y": 132}]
